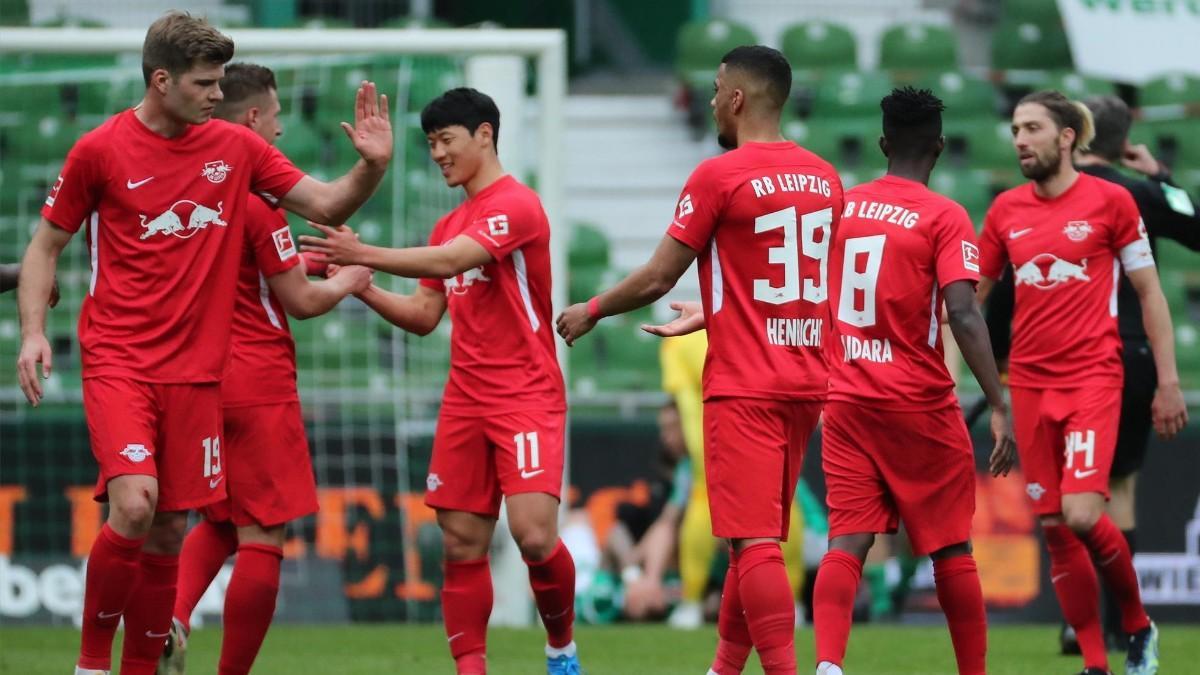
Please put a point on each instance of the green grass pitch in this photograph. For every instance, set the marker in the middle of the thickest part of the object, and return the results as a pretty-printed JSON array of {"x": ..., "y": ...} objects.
[{"x": 372, "y": 649}]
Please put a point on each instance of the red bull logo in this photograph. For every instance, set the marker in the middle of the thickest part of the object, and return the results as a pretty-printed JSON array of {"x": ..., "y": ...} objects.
[
  {"x": 216, "y": 171},
  {"x": 460, "y": 284},
  {"x": 170, "y": 222},
  {"x": 1047, "y": 270}
]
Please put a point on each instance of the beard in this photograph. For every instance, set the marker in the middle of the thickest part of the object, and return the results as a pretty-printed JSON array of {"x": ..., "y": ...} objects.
[
  {"x": 726, "y": 142},
  {"x": 1042, "y": 168}
]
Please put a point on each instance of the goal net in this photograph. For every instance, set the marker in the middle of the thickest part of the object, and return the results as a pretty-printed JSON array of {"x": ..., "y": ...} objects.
[{"x": 370, "y": 391}]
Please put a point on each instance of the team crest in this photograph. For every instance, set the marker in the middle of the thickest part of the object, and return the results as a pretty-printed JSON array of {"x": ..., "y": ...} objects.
[
  {"x": 1077, "y": 230},
  {"x": 135, "y": 452},
  {"x": 216, "y": 171},
  {"x": 432, "y": 483},
  {"x": 1035, "y": 491}
]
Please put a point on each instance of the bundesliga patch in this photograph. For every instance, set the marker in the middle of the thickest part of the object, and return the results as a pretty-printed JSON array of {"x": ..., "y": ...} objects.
[
  {"x": 54, "y": 191},
  {"x": 498, "y": 225},
  {"x": 1177, "y": 199},
  {"x": 970, "y": 256},
  {"x": 685, "y": 207},
  {"x": 284, "y": 245}
]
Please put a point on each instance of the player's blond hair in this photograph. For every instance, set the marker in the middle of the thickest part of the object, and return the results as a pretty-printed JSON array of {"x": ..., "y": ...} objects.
[
  {"x": 177, "y": 41},
  {"x": 1066, "y": 114}
]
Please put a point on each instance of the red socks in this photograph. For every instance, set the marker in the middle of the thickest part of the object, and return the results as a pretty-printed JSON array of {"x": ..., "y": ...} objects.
[
  {"x": 112, "y": 571},
  {"x": 1075, "y": 584},
  {"x": 148, "y": 614},
  {"x": 734, "y": 643},
  {"x": 205, "y": 550},
  {"x": 249, "y": 606},
  {"x": 833, "y": 604},
  {"x": 961, "y": 598},
  {"x": 466, "y": 606},
  {"x": 1111, "y": 551},
  {"x": 553, "y": 584},
  {"x": 767, "y": 600}
]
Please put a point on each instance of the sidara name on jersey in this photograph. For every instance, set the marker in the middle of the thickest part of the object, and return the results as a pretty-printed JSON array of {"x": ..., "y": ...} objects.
[
  {"x": 794, "y": 332},
  {"x": 887, "y": 213},
  {"x": 790, "y": 182},
  {"x": 874, "y": 350}
]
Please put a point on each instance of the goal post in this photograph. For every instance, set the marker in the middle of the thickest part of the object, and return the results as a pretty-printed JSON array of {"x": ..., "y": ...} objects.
[{"x": 370, "y": 392}]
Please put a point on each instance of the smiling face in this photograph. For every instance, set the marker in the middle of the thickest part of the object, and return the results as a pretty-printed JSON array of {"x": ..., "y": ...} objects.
[
  {"x": 1041, "y": 145},
  {"x": 191, "y": 96},
  {"x": 458, "y": 152}
]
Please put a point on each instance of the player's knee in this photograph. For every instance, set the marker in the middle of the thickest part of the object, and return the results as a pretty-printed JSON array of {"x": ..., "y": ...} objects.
[
  {"x": 167, "y": 533},
  {"x": 536, "y": 543},
  {"x": 132, "y": 514},
  {"x": 1081, "y": 518},
  {"x": 856, "y": 545},
  {"x": 460, "y": 546}
]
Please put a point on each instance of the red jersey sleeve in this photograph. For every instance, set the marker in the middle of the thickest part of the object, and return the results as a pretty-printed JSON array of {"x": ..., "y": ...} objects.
[
  {"x": 1126, "y": 219},
  {"x": 268, "y": 236},
  {"x": 992, "y": 254},
  {"x": 505, "y": 227},
  {"x": 954, "y": 247},
  {"x": 435, "y": 239},
  {"x": 274, "y": 174},
  {"x": 699, "y": 207},
  {"x": 77, "y": 191}
]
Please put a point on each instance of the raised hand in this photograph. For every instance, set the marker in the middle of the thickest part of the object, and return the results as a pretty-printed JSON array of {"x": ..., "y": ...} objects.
[
  {"x": 372, "y": 130},
  {"x": 340, "y": 246},
  {"x": 690, "y": 320}
]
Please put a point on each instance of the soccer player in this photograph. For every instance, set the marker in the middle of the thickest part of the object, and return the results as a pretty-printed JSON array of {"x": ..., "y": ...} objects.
[
  {"x": 894, "y": 445},
  {"x": 269, "y": 476},
  {"x": 162, "y": 191},
  {"x": 1068, "y": 235},
  {"x": 500, "y": 429},
  {"x": 759, "y": 219},
  {"x": 1168, "y": 212}
]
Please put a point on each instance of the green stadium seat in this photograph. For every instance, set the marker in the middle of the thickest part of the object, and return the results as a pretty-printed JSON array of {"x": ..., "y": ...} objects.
[
  {"x": 1078, "y": 86},
  {"x": 1033, "y": 11},
  {"x": 588, "y": 247},
  {"x": 1019, "y": 47},
  {"x": 971, "y": 189},
  {"x": 1170, "y": 89},
  {"x": 1175, "y": 142},
  {"x": 700, "y": 46},
  {"x": 819, "y": 46},
  {"x": 964, "y": 95},
  {"x": 814, "y": 136},
  {"x": 983, "y": 143},
  {"x": 851, "y": 94},
  {"x": 916, "y": 47}
]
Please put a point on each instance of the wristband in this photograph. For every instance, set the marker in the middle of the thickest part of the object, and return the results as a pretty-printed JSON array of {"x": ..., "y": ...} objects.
[{"x": 593, "y": 308}]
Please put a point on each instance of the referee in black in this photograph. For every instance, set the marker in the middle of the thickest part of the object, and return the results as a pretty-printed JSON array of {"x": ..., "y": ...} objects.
[{"x": 1168, "y": 212}]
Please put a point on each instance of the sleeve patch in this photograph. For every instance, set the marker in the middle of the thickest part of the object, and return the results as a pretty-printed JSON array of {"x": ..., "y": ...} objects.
[
  {"x": 498, "y": 225},
  {"x": 284, "y": 245},
  {"x": 970, "y": 254},
  {"x": 1178, "y": 200}
]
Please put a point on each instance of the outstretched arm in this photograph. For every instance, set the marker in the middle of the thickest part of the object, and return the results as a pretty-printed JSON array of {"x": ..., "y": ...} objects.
[
  {"x": 642, "y": 287},
  {"x": 971, "y": 334},
  {"x": 371, "y": 135},
  {"x": 418, "y": 313},
  {"x": 304, "y": 298},
  {"x": 342, "y": 247}
]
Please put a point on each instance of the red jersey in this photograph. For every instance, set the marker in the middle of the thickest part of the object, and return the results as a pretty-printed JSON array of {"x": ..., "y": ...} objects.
[
  {"x": 1065, "y": 257},
  {"x": 760, "y": 218},
  {"x": 164, "y": 220},
  {"x": 502, "y": 356},
  {"x": 898, "y": 245},
  {"x": 262, "y": 353}
]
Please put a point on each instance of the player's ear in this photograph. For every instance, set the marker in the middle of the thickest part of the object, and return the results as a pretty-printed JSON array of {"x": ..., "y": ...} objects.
[
  {"x": 883, "y": 145},
  {"x": 253, "y": 117},
  {"x": 941, "y": 145},
  {"x": 159, "y": 79}
]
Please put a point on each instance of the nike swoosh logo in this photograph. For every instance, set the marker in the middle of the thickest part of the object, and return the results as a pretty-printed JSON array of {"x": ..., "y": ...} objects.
[
  {"x": 551, "y": 617},
  {"x": 1019, "y": 233},
  {"x": 1105, "y": 563},
  {"x": 454, "y": 637},
  {"x": 1054, "y": 579},
  {"x": 157, "y": 635},
  {"x": 133, "y": 186},
  {"x": 1084, "y": 474},
  {"x": 107, "y": 615},
  {"x": 531, "y": 474},
  {"x": 212, "y": 484}
]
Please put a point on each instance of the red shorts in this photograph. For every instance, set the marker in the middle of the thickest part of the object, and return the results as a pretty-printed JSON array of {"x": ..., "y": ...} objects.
[
  {"x": 169, "y": 431},
  {"x": 1065, "y": 440},
  {"x": 478, "y": 459},
  {"x": 267, "y": 466},
  {"x": 882, "y": 467},
  {"x": 753, "y": 453}
]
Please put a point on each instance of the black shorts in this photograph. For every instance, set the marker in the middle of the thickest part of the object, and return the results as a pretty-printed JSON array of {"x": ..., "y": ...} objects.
[{"x": 1141, "y": 379}]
